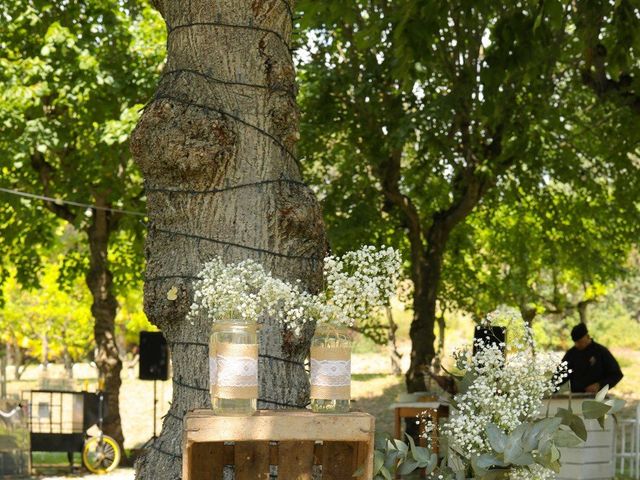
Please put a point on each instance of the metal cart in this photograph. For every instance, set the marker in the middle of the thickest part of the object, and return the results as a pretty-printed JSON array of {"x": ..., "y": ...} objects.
[{"x": 58, "y": 420}]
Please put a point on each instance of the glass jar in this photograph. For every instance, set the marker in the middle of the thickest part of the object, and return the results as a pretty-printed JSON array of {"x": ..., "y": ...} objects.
[
  {"x": 233, "y": 367},
  {"x": 331, "y": 370}
]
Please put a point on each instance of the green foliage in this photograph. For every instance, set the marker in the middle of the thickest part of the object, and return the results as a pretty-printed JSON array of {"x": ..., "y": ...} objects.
[
  {"x": 62, "y": 316},
  {"x": 73, "y": 77},
  {"x": 393, "y": 456},
  {"x": 479, "y": 116}
]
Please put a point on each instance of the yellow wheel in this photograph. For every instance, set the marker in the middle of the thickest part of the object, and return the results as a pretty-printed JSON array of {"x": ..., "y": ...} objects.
[{"x": 101, "y": 455}]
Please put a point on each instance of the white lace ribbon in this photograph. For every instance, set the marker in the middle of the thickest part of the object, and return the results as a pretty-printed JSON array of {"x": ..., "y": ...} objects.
[
  {"x": 236, "y": 371},
  {"x": 233, "y": 371},
  {"x": 330, "y": 373}
]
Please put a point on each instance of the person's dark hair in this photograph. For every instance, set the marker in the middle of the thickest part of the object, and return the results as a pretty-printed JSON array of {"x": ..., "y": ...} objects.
[{"x": 578, "y": 332}]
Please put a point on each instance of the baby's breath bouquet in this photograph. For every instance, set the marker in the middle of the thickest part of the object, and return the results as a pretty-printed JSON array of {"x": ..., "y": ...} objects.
[
  {"x": 356, "y": 284},
  {"x": 498, "y": 429},
  {"x": 246, "y": 291}
]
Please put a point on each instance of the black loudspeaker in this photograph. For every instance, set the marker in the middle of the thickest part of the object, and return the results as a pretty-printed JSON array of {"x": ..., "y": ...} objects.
[
  {"x": 154, "y": 356},
  {"x": 491, "y": 336}
]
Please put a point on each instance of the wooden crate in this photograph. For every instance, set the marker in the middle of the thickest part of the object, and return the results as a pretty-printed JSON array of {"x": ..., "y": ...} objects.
[{"x": 294, "y": 441}]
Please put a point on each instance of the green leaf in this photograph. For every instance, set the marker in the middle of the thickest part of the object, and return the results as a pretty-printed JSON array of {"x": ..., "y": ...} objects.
[
  {"x": 525, "y": 459},
  {"x": 378, "y": 461},
  {"x": 422, "y": 455},
  {"x": 497, "y": 438},
  {"x": 386, "y": 473},
  {"x": 407, "y": 467},
  {"x": 486, "y": 461},
  {"x": 412, "y": 444},
  {"x": 574, "y": 422},
  {"x": 592, "y": 409},
  {"x": 616, "y": 405},
  {"x": 399, "y": 445},
  {"x": 600, "y": 396},
  {"x": 566, "y": 438}
]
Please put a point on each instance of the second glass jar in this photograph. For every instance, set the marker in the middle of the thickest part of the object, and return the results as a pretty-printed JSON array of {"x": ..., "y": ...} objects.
[{"x": 331, "y": 370}]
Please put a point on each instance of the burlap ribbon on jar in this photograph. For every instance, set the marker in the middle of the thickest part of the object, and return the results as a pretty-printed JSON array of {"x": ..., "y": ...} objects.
[
  {"x": 331, "y": 373},
  {"x": 233, "y": 372}
]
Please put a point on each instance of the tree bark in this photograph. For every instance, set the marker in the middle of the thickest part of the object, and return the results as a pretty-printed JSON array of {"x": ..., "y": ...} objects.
[
  {"x": 582, "y": 310},
  {"x": 224, "y": 116},
  {"x": 104, "y": 307},
  {"x": 471, "y": 189},
  {"x": 394, "y": 355}
]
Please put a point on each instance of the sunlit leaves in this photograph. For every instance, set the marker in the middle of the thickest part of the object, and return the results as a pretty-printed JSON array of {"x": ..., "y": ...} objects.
[{"x": 73, "y": 77}]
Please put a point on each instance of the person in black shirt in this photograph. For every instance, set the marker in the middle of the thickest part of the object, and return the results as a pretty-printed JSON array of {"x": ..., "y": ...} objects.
[{"x": 592, "y": 366}]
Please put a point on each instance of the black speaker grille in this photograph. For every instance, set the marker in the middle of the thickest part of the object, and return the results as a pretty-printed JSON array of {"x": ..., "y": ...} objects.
[{"x": 154, "y": 356}]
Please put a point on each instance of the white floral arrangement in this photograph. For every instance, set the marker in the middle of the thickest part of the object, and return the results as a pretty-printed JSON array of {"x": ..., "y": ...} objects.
[
  {"x": 359, "y": 283},
  {"x": 497, "y": 429},
  {"x": 501, "y": 390},
  {"x": 356, "y": 284}
]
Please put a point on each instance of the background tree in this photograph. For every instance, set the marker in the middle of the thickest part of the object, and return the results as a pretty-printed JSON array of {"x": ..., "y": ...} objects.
[
  {"x": 422, "y": 111},
  {"x": 216, "y": 146},
  {"x": 48, "y": 323},
  {"x": 73, "y": 76}
]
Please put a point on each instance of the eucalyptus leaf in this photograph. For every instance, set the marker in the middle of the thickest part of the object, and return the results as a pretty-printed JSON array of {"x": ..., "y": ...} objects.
[
  {"x": 616, "y": 405},
  {"x": 566, "y": 438},
  {"x": 378, "y": 461},
  {"x": 497, "y": 438},
  {"x": 600, "y": 396},
  {"x": 525, "y": 459},
  {"x": 407, "y": 466},
  {"x": 593, "y": 409},
  {"x": 574, "y": 422},
  {"x": 486, "y": 461},
  {"x": 422, "y": 455}
]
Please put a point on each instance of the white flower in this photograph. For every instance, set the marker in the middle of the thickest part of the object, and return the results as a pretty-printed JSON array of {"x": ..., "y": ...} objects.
[
  {"x": 357, "y": 284},
  {"x": 506, "y": 390}
]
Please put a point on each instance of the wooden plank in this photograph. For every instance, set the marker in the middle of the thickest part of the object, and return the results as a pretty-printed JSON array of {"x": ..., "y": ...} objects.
[
  {"x": 204, "y": 461},
  {"x": 362, "y": 459},
  {"x": 348, "y": 444},
  {"x": 338, "y": 460},
  {"x": 295, "y": 460},
  {"x": 369, "y": 449},
  {"x": 278, "y": 426},
  {"x": 252, "y": 460}
]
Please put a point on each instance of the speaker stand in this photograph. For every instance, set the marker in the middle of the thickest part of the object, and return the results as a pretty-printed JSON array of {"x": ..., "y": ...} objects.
[
  {"x": 152, "y": 440},
  {"x": 155, "y": 407}
]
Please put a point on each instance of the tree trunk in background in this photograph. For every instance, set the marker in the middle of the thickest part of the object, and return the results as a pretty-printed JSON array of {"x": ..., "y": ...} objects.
[
  {"x": 224, "y": 116},
  {"x": 582, "y": 310},
  {"x": 45, "y": 351},
  {"x": 427, "y": 273},
  {"x": 392, "y": 345},
  {"x": 422, "y": 331},
  {"x": 442, "y": 327},
  {"x": 104, "y": 307}
]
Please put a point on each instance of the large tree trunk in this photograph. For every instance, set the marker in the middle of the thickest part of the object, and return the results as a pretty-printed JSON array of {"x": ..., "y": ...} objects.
[
  {"x": 224, "y": 116},
  {"x": 427, "y": 273},
  {"x": 422, "y": 331},
  {"x": 104, "y": 307}
]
